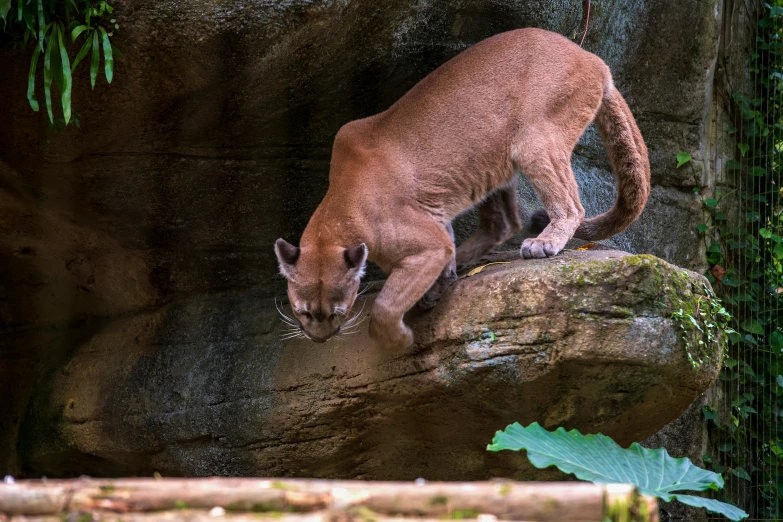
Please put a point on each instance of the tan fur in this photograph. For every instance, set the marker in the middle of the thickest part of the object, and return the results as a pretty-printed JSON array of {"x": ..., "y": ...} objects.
[{"x": 517, "y": 101}]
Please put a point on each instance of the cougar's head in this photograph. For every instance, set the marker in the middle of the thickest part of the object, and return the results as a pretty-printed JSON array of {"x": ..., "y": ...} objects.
[{"x": 322, "y": 285}]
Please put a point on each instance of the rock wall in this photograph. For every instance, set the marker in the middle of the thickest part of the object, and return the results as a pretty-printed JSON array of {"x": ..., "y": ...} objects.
[{"x": 214, "y": 140}]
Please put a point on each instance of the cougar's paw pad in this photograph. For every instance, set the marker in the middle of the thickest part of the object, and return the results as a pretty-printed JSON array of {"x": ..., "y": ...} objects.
[{"x": 538, "y": 248}]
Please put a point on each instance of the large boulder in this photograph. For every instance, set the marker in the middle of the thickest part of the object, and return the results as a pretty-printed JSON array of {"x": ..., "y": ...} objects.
[{"x": 206, "y": 386}]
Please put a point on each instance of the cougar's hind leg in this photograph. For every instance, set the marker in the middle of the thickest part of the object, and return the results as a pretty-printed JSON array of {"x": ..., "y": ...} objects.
[
  {"x": 549, "y": 171},
  {"x": 498, "y": 222},
  {"x": 444, "y": 280}
]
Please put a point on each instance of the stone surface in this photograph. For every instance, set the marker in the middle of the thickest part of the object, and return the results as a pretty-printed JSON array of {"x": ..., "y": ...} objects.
[{"x": 584, "y": 340}]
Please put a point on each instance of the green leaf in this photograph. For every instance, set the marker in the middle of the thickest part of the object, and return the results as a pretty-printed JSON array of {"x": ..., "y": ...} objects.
[
  {"x": 766, "y": 234},
  {"x": 31, "y": 79},
  {"x": 741, "y": 473},
  {"x": 41, "y": 24},
  {"x": 95, "y": 59},
  {"x": 599, "y": 459},
  {"x": 29, "y": 16},
  {"x": 57, "y": 64},
  {"x": 780, "y": 380},
  {"x": 709, "y": 413},
  {"x": 733, "y": 165},
  {"x": 108, "y": 64},
  {"x": 753, "y": 326},
  {"x": 710, "y": 202},
  {"x": 701, "y": 227},
  {"x": 775, "y": 10},
  {"x": 683, "y": 158},
  {"x": 5, "y": 6},
  {"x": 48, "y": 72},
  {"x": 776, "y": 341},
  {"x": 713, "y": 506},
  {"x": 743, "y": 147},
  {"x": 778, "y": 250},
  {"x": 67, "y": 81},
  {"x": 79, "y": 29},
  {"x": 82, "y": 53}
]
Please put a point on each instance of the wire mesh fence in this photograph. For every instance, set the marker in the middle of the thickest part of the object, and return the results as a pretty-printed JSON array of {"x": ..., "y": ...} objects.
[{"x": 743, "y": 232}]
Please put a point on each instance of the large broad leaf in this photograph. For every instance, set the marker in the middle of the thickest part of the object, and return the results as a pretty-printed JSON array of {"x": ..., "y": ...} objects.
[{"x": 599, "y": 459}]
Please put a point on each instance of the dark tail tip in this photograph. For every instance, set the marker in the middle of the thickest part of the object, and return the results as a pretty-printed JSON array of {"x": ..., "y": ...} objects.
[{"x": 538, "y": 221}]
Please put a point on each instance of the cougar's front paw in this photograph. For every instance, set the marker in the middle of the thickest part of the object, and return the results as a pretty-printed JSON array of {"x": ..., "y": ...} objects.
[
  {"x": 539, "y": 247},
  {"x": 393, "y": 339}
]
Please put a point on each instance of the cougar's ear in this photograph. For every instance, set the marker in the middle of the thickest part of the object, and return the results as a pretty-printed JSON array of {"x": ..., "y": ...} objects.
[
  {"x": 355, "y": 258},
  {"x": 287, "y": 255}
]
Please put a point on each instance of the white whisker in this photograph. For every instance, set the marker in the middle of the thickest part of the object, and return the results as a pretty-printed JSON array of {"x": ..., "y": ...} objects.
[
  {"x": 354, "y": 322},
  {"x": 285, "y": 317}
]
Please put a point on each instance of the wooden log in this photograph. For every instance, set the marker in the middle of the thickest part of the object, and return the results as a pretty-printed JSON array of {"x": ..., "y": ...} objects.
[{"x": 322, "y": 500}]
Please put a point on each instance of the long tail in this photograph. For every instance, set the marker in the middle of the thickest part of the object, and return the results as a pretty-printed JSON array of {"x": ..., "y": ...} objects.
[{"x": 628, "y": 157}]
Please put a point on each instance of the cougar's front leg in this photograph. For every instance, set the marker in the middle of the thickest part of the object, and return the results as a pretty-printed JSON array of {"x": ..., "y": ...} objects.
[
  {"x": 408, "y": 281},
  {"x": 447, "y": 276}
]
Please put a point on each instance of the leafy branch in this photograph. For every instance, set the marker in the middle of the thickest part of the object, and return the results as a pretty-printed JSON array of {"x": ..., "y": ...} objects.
[{"x": 49, "y": 29}]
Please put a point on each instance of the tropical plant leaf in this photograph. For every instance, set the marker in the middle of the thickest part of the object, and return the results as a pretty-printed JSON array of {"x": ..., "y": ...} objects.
[
  {"x": 57, "y": 64},
  {"x": 683, "y": 158},
  {"x": 599, "y": 459},
  {"x": 5, "y": 6},
  {"x": 108, "y": 60},
  {"x": 67, "y": 82},
  {"x": 31, "y": 79},
  {"x": 41, "y": 24},
  {"x": 48, "y": 72},
  {"x": 96, "y": 57},
  {"x": 82, "y": 53},
  {"x": 79, "y": 29},
  {"x": 713, "y": 506},
  {"x": 28, "y": 16}
]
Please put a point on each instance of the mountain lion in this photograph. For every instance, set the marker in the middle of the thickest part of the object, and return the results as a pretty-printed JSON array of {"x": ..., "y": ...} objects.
[{"x": 518, "y": 101}]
